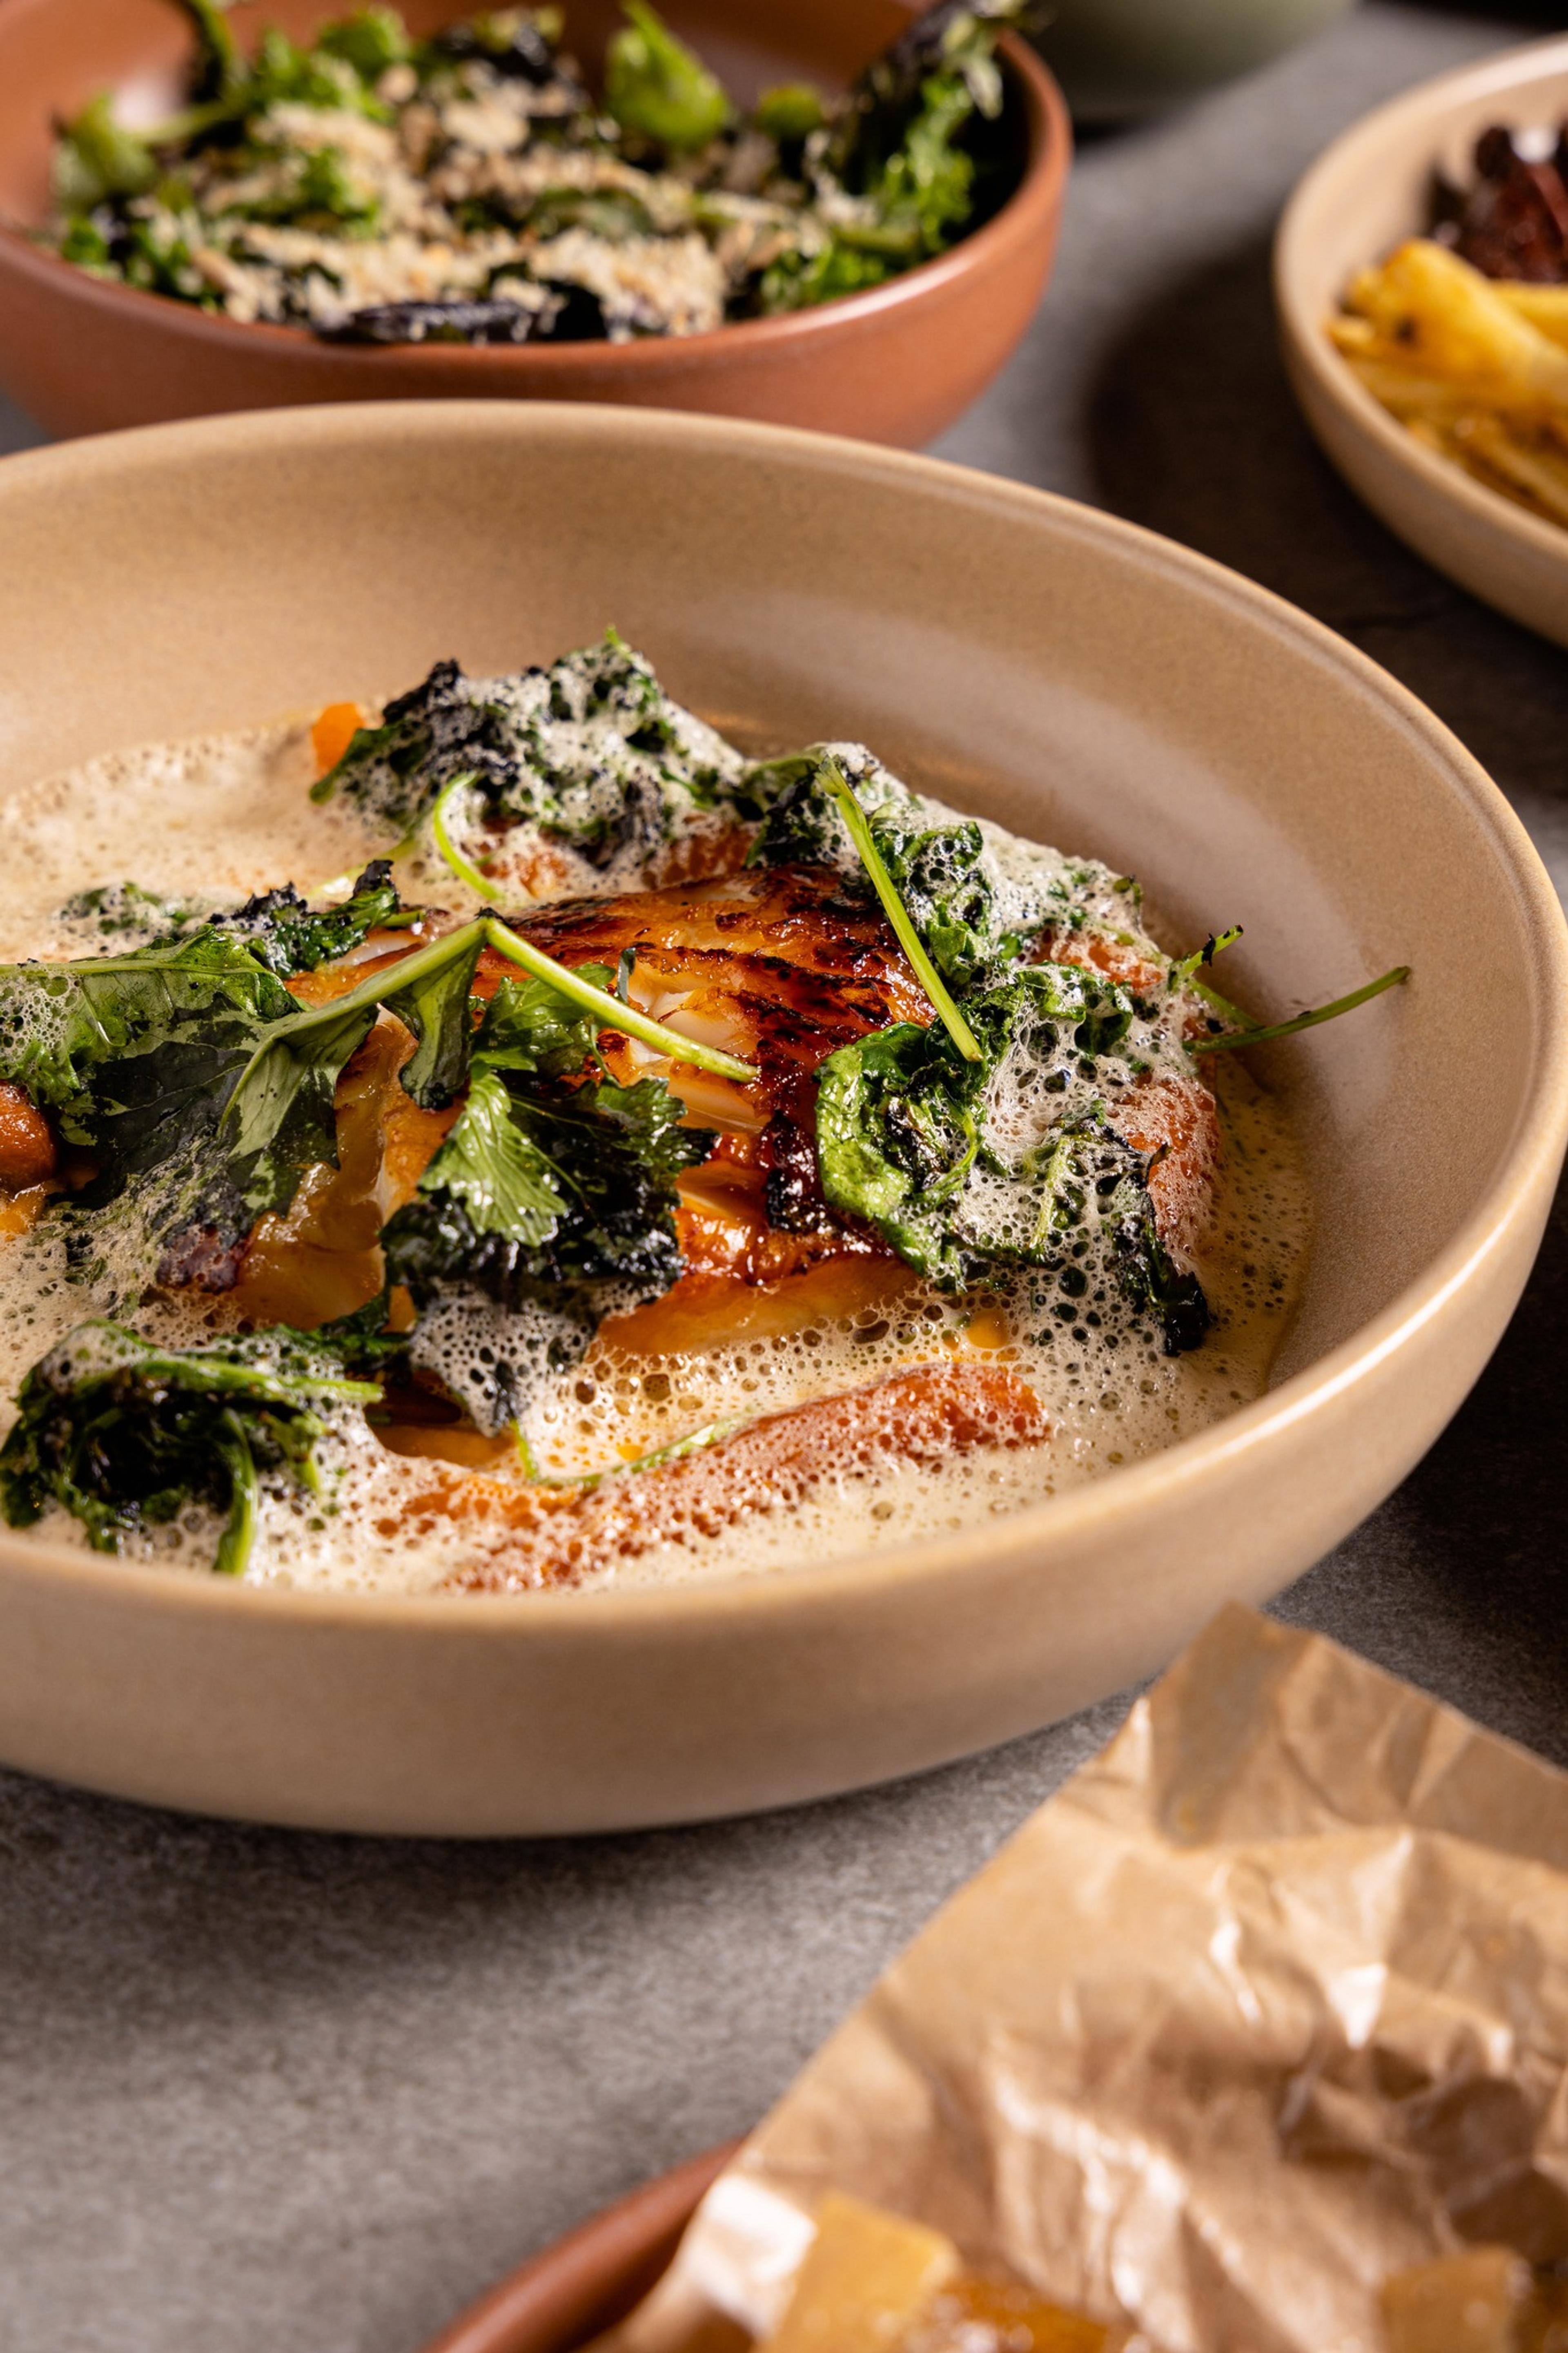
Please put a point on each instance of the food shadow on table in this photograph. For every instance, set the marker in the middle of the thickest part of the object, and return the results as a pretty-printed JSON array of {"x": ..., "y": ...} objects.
[{"x": 1192, "y": 430}]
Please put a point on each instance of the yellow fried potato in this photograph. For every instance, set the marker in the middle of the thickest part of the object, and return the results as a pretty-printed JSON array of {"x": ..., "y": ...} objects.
[
  {"x": 867, "y": 2276},
  {"x": 1545, "y": 307},
  {"x": 1412, "y": 393},
  {"x": 1530, "y": 467},
  {"x": 1451, "y": 321}
]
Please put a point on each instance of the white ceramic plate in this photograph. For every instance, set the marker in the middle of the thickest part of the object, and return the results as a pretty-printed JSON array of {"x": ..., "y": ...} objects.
[
  {"x": 1081, "y": 681},
  {"x": 1363, "y": 196}
]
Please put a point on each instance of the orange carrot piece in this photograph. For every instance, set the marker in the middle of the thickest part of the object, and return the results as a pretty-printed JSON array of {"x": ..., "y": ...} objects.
[{"x": 333, "y": 732}]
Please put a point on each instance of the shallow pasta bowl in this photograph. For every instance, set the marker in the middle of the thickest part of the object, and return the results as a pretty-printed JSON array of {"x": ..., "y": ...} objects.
[
  {"x": 1369, "y": 192},
  {"x": 1081, "y": 681},
  {"x": 897, "y": 363}
]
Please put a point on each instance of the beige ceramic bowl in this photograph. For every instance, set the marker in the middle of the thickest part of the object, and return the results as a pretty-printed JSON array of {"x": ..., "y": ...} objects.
[
  {"x": 1070, "y": 675},
  {"x": 1371, "y": 190}
]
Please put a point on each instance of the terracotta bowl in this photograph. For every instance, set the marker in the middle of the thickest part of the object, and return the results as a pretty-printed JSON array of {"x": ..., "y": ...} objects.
[
  {"x": 1369, "y": 192},
  {"x": 590, "y": 2278},
  {"x": 895, "y": 364},
  {"x": 1081, "y": 681}
]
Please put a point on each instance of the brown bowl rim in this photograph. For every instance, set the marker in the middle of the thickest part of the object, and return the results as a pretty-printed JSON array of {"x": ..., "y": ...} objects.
[
  {"x": 1030, "y": 212},
  {"x": 566, "y": 2293}
]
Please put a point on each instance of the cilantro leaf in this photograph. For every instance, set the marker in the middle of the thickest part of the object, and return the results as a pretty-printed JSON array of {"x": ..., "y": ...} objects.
[
  {"x": 529, "y": 1025},
  {"x": 495, "y": 1170}
]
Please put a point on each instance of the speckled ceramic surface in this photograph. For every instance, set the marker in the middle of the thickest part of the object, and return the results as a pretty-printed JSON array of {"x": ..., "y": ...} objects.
[
  {"x": 1075, "y": 678},
  {"x": 1369, "y": 190},
  {"x": 896, "y": 364}
]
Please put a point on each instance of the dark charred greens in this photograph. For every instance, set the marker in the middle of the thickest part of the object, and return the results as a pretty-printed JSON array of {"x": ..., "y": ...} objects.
[
  {"x": 976, "y": 1171},
  {"x": 592, "y": 751},
  {"x": 973, "y": 929},
  {"x": 289, "y": 936},
  {"x": 545, "y": 1196},
  {"x": 920, "y": 143},
  {"x": 280, "y": 929},
  {"x": 190, "y": 1073},
  {"x": 550, "y": 1195},
  {"x": 125, "y": 1435}
]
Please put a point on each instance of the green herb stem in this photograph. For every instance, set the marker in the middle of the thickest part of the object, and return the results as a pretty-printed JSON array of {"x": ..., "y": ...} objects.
[
  {"x": 1400, "y": 973},
  {"x": 611, "y": 1013},
  {"x": 392, "y": 980},
  {"x": 1222, "y": 1004},
  {"x": 1184, "y": 975},
  {"x": 893, "y": 907},
  {"x": 235, "y": 1545},
  {"x": 696, "y": 1441},
  {"x": 463, "y": 868}
]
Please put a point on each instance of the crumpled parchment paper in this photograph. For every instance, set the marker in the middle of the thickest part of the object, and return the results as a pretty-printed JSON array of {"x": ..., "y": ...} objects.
[{"x": 1270, "y": 2001}]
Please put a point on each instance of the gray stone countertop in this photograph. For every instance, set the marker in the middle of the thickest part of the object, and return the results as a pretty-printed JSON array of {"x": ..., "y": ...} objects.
[{"x": 262, "y": 2090}]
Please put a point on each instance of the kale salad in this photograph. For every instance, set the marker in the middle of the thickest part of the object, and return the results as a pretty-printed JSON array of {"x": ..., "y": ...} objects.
[
  {"x": 377, "y": 188},
  {"x": 515, "y": 1137}
]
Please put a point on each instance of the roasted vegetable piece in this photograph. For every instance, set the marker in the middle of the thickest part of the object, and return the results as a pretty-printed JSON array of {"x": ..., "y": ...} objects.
[
  {"x": 925, "y": 1415},
  {"x": 27, "y": 1155}
]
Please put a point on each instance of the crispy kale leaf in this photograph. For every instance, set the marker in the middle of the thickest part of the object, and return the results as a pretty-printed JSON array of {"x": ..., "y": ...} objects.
[
  {"x": 912, "y": 145},
  {"x": 289, "y": 936},
  {"x": 552, "y": 1203},
  {"x": 976, "y": 1171},
  {"x": 560, "y": 1196},
  {"x": 974, "y": 923},
  {"x": 592, "y": 750},
  {"x": 282, "y": 932},
  {"x": 125, "y": 1435}
]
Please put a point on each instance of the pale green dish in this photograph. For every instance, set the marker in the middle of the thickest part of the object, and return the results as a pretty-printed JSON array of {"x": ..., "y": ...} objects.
[{"x": 1119, "y": 59}]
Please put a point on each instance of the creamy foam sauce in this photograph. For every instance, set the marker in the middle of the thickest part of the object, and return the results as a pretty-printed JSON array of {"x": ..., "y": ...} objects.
[{"x": 215, "y": 820}]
